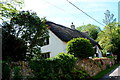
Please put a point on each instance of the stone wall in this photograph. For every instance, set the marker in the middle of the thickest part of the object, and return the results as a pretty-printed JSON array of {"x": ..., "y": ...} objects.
[
  {"x": 91, "y": 66},
  {"x": 25, "y": 70},
  {"x": 94, "y": 66}
]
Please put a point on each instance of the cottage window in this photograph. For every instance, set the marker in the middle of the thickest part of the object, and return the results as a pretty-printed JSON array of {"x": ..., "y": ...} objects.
[
  {"x": 46, "y": 41},
  {"x": 46, "y": 55}
]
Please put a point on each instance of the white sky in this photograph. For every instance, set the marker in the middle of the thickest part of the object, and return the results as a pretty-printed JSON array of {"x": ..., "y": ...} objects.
[{"x": 61, "y": 12}]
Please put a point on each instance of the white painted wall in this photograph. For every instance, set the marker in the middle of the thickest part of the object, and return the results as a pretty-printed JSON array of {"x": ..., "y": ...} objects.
[
  {"x": 55, "y": 45},
  {"x": 99, "y": 52}
]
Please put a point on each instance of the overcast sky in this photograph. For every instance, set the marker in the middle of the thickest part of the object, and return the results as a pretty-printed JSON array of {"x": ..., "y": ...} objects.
[{"x": 61, "y": 12}]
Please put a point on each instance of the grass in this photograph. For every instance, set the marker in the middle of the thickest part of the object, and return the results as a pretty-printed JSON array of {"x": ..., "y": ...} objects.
[{"x": 104, "y": 72}]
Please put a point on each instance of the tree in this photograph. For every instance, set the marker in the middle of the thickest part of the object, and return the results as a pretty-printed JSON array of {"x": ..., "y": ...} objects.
[
  {"x": 116, "y": 42},
  {"x": 8, "y": 7},
  {"x": 28, "y": 26},
  {"x": 109, "y": 39},
  {"x": 109, "y": 18},
  {"x": 13, "y": 48},
  {"x": 24, "y": 26},
  {"x": 91, "y": 29},
  {"x": 80, "y": 47},
  {"x": 105, "y": 37}
]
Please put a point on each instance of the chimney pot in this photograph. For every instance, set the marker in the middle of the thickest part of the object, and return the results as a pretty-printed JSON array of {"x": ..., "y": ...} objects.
[{"x": 72, "y": 26}]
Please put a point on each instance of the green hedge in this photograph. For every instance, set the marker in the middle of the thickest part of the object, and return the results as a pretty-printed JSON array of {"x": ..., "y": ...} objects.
[
  {"x": 5, "y": 70},
  {"x": 58, "y": 68},
  {"x": 80, "y": 47}
]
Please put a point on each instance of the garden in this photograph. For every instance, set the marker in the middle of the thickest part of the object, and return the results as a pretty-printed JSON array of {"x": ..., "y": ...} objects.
[
  {"x": 23, "y": 34},
  {"x": 73, "y": 65}
]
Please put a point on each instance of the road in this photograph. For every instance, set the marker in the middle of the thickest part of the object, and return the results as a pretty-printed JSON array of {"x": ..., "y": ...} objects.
[{"x": 113, "y": 75}]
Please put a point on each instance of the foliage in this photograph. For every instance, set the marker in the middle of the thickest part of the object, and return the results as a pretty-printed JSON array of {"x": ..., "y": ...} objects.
[
  {"x": 105, "y": 37},
  {"x": 109, "y": 39},
  {"x": 54, "y": 68},
  {"x": 80, "y": 75},
  {"x": 26, "y": 32},
  {"x": 80, "y": 47},
  {"x": 109, "y": 18},
  {"x": 12, "y": 47},
  {"x": 92, "y": 30},
  {"x": 17, "y": 74},
  {"x": 5, "y": 70},
  {"x": 8, "y": 7},
  {"x": 23, "y": 26},
  {"x": 28, "y": 26},
  {"x": 116, "y": 42},
  {"x": 66, "y": 61},
  {"x": 111, "y": 57}
]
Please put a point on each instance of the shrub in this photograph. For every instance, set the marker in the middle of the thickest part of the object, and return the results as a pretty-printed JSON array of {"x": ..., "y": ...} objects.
[
  {"x": 112, "y": 57},
  {"x": 62, "y": 67},
  {"x": 80, "y": 75},
  {"x": 13, "y": 48},
  {"x": 53, "y": 68},
  {"x": 66, "y": 62},
  {"x": 17, "y": 74},
  {"x": 5, "y": 71},
  {"x": 80, "y": 47}
]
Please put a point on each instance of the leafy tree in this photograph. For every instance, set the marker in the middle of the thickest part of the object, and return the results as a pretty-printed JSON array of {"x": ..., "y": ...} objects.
[
  {"x": 109, "y": 18},
  {"x": 28, "y": 26},
  {"x": 80, "y": 47},
  {"x": 8, "y": 7},
  {"x": 13, "y": 48},
  {"x": 25, "y": 28},
  {"x": 116, "y": 42},
  {"x": 109, "y": 39},
  {"x": 105, "y": 37},
  {"x": 91, "y": 29}
]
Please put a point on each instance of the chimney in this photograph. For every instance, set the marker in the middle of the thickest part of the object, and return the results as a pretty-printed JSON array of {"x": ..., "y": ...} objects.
[{"x": 72, "y": 26}]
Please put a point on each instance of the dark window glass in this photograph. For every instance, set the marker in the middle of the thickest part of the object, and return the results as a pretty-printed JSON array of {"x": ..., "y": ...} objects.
[{"x": 46, "y": 55}]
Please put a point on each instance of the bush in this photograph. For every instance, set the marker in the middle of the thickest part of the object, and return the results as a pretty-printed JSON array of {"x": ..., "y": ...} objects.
[
  {"x": 112, "y": 57},
  {"x": 54, "y": 68},
  {"x": 17, "y": 74},
  {"x": 80, "y": 75},
  {"x": 62, "y": 67},
  {"x": 80, "y": 47},
  {"x": 13, "y": 48},
  {"x": 66, "y": 62},
  {"x": 5, "y": 71}
]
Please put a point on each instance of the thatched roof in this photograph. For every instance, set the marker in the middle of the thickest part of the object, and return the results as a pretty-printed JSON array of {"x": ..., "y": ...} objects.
[{"x": 66, "y": 34}]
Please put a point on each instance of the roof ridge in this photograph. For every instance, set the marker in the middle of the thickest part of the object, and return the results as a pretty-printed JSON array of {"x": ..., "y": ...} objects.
[
  {"x": 66, "y": 33},
  {"x": 47, "y": 22}
]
